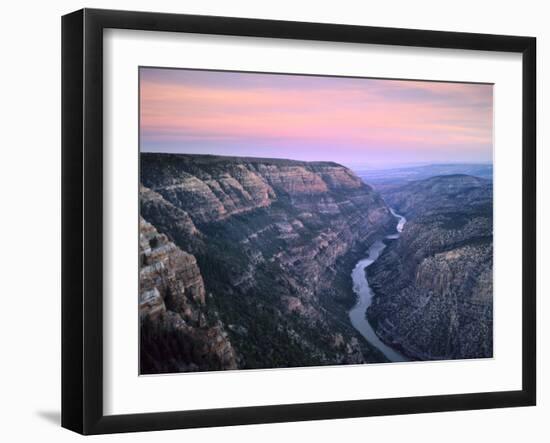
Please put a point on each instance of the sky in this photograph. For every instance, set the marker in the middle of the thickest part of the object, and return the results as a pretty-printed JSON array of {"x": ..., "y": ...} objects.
[{"x": 352, "y": 121}]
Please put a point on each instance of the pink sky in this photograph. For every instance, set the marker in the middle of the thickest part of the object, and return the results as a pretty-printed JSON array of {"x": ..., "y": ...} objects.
[{"x": 347, "y": 120}]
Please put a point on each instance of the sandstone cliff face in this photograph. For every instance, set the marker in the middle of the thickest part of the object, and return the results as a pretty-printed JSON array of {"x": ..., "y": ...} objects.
[
  {"x": 178, "y": 333},
  {"x": 211, "y": 188},
  {"x": 275, "y": 241},
  {"x": 433, "y": 286}
]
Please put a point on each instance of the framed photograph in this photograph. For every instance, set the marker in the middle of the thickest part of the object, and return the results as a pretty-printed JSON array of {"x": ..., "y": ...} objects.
[{"x": 268, "y": 221}]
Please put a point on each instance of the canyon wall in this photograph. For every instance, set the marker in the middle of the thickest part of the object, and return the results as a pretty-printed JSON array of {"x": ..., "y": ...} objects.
[
  {"x": 274, "y": 243},
  {"x": 433, "y": 286},
  {"x": 178, "y": 333}
]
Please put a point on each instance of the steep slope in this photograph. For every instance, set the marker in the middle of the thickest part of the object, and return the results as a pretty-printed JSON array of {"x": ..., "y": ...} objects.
[
  {"x": 433, "y": 286},
  {"x": 178, "y": 332},
  {"x": 275, "y": 241}
]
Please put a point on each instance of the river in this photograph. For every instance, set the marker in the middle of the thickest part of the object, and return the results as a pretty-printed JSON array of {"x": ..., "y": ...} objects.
[{"x": 358, "y": 314}]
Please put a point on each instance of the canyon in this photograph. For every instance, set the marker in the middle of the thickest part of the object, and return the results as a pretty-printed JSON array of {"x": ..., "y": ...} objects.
[
  {"x": 273, "y": 240},
  {"x": 245, "y": 263},
  {"x": 433, "y": 286}
]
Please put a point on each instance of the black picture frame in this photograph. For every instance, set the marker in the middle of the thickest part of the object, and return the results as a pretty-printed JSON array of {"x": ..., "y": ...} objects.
[{"x": 82, "y": 215}]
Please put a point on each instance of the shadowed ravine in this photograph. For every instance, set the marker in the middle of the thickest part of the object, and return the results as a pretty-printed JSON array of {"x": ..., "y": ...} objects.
[{"x": 358, "y": 314}]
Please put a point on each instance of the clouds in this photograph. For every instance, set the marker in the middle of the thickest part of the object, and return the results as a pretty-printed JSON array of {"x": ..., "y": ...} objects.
[{"x": 314, "y": 118}]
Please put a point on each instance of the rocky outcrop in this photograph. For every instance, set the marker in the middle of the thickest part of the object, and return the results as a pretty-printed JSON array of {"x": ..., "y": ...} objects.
[
  {"x": 212, "y": 188},
  {"x": 433, "y": 286},
  {"x": 178, "y": 333},
  {"x": 275, "y": 241}
]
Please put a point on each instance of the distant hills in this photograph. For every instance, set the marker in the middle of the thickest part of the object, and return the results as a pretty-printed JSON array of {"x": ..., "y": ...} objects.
[{"x": 381, "y": 178}]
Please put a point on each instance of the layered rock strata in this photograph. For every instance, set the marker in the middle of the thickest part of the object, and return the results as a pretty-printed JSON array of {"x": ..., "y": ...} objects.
[
  {"x": 275, "y": 241},
  {"x": 178, "y": 332},
  {"x": 433, "y": 286}
]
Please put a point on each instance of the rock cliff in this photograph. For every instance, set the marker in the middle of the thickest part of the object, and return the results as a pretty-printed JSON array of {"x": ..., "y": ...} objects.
[
  {"x": 178, "y": 332},
  {"x": 433, "y": 286},
  {"x": 275, "y": 241}
]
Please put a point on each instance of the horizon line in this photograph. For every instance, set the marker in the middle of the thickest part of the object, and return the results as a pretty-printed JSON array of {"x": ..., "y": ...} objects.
[{"x": 350, "y": 165}]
